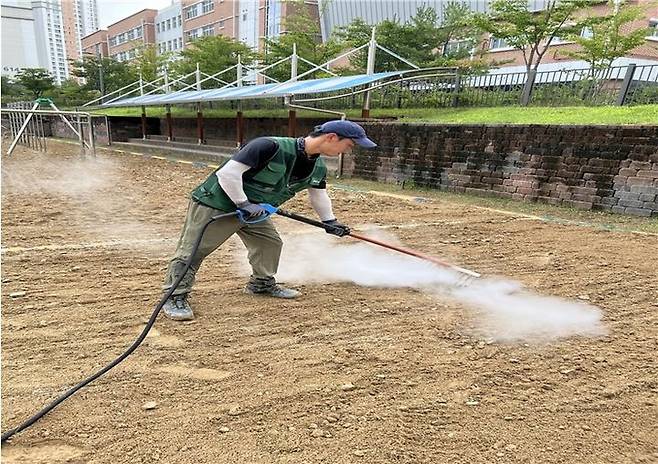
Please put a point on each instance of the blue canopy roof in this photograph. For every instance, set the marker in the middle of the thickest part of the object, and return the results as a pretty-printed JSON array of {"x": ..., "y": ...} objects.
[{"x": 284, "y": 89}]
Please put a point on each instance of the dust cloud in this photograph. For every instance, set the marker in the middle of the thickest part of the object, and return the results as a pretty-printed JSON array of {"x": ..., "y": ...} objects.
[
  {"x": 90, "y": 192},
  {"x": 503, "y": 310}
]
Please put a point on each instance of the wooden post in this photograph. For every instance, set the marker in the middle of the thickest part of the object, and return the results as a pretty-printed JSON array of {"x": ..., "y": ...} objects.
[
  {"x": 292, "y": 123},
  {"x": 199, "y": 124},
  {"x": 170, "y": 130},
  {"x": 144, "y": 135},
  {"x": 240, "y": 128}
]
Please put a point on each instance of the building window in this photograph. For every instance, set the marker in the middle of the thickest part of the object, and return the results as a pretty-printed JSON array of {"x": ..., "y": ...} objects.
[
  {"x": 587, "y": 33},
  {"x": 220, "y": 23},
  {"x": 157, "y": 27},
  {"x": 180, "y": 42},
  {"x": 653, "y": 28},
  {"x": 495, "y": 43},
  {"x": 169, "y": 24},
  {"x": 193, "y": 34},
  {"x": 207, "y": 6},
  {"x": 244, "y": 16},
  {"x": 180, "y": 20},
  {"x": 208, "y": 30},
  {"x": 191, "y": 12},
  {"x": 139, "y": 32}
]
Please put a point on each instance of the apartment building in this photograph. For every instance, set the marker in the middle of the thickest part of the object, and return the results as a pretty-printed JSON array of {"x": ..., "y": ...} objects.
[
  {"x": 96, "y": 44},
  {"x": 19, "y": 40},
  {"x": 79, "y": 18},
  {"x": 56, "y": 36},
  {"x": 126, "y": 36},
  {"x": 169, "y": 29}
]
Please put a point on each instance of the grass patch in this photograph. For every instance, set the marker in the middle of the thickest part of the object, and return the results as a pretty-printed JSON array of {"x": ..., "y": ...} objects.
[
  {"x": 579, "y": 115},
  {"x": 559, "y": 214}
]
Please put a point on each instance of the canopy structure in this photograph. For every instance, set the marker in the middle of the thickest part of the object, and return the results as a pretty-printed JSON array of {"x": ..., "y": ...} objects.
[
  {"x": 313, "y": 89},
  {"x": 284, "y": 89}
]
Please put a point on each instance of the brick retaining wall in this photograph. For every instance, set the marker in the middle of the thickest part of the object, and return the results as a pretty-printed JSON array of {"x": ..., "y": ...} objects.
[{"x": 613, "y": 168}]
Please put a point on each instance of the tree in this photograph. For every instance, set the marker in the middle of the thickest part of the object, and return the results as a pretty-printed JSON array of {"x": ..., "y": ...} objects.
[
  {"x": 11, "y": 88},
  {"x": 148, "y": 62},
  {"x": 300, "y": 29},
  {"x": 35, "y": 81},
  {"x": 608, "y": 37},
  {"x": 389, "y": 34},
  {"x": 457, "y": 25},
  {"x": 423, "y": 40},
  {"x": 70, "y": 93},
  {"x": 530, "y": 31},
  {"x": 104, "y": 74},
  {"x": 214, "y": 54}
]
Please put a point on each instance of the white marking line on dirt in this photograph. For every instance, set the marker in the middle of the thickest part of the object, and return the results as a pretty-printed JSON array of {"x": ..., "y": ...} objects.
[
  {"x": 527, "y": 217},
  {"x": 119, "y": 243},
  {"x": 82, "y": 246}
]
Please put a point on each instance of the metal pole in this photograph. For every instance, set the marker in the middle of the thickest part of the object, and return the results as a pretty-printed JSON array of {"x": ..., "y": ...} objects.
[
  {"x": 372, "y": 50},
  {"x": 43, "y": 133},
  {"x": 456, "y": 90},
  {"x": 292, "y": 114},
  {"x": 92, "y": 138},
  {"x": 101, "y": 84},
  {"x": 30, "y": 134},
  {"x": 108, "y": 131},
  {"x": 239, "y": 120},
  {"x": 166, "y": 79},
  {"x": 198, "y": 77},
  {"x": 626, "y": 84},
  {"x": 81, "y": 137}
]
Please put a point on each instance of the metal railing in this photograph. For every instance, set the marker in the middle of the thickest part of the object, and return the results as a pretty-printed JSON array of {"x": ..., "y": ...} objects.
[
  {"x": 619, "y": 85},
  {"x": 30, "y": 126}
]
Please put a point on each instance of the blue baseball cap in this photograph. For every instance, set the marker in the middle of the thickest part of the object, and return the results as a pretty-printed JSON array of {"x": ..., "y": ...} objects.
[{"x": 347, "y": 129}]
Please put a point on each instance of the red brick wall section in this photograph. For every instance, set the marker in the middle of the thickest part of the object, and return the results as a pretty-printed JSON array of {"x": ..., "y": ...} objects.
[{"x": 608, "y": 168}]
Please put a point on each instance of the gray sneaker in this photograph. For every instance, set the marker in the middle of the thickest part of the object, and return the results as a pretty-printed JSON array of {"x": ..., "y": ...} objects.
[
  {"x": 178, "y": 309},
  {"x": 275, "y": 291}
]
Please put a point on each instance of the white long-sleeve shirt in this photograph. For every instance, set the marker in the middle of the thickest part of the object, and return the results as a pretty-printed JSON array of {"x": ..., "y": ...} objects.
[{"x": 230, "y": 179}]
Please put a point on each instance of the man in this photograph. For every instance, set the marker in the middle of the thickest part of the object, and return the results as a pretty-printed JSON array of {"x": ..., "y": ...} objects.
[{"x": 267, "y": 170}]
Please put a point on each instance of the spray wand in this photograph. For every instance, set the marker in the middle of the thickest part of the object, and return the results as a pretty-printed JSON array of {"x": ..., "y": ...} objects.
[{"x": 466, "y": 273}]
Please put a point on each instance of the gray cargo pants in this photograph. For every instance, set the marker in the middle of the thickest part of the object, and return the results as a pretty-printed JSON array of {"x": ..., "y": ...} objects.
[{"x": 261, "y": 239}]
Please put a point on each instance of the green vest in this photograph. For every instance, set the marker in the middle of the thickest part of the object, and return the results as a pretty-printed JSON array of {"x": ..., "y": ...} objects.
[{"x": 269, "y": 185}]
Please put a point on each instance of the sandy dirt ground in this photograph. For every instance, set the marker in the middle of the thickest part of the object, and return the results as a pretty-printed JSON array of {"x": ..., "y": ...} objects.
[{"x": 345, "y": 374}]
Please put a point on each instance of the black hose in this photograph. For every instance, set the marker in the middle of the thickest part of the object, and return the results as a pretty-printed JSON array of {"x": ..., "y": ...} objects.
[{"x": 9, "y": 433}]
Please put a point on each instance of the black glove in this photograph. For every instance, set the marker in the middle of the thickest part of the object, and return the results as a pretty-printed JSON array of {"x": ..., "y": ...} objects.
[
  {"x": 336, "y": 228},
  {"x": 251, "y": 210}
]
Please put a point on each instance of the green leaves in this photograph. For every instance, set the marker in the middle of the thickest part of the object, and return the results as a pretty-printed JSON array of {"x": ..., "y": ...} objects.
[
  {"x": 214, "y": 54},
  {"x": 608, "y": 37},
  {"x": 528, "y": 30},
  {"x": 35, "y": 81}
]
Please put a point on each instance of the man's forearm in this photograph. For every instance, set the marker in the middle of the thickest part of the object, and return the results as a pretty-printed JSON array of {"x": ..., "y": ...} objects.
[{"x": 321, "y": 203}]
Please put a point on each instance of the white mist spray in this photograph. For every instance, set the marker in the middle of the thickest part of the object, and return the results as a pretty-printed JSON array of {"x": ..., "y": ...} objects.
[
  {"x": 504, "y": 310},
  {"x": 95, "y": 194}
]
